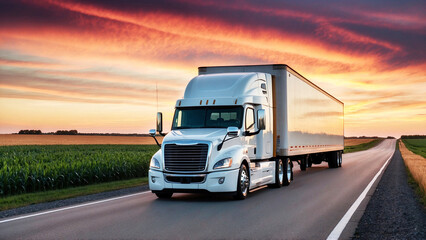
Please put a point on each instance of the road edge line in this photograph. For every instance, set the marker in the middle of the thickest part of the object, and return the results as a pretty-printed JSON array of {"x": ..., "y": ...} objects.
[
  {"x": 71, "y": 207},
  {"x": 337, "y": 231}
]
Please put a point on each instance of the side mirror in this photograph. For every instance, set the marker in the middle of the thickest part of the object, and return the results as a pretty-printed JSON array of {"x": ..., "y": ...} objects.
[
  {"x": 232, "y": 131},
  {"x": 152, "y": 132},
  {"x": 159, "y": 122},
  {"x": 261, "y": 119}
]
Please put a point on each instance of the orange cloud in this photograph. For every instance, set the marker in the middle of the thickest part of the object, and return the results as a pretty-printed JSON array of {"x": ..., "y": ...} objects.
[{"x": 101, "y": 52}]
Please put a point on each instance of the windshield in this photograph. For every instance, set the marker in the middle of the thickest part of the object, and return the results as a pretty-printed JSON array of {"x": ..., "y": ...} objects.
[{"x": 208, "y": 117}]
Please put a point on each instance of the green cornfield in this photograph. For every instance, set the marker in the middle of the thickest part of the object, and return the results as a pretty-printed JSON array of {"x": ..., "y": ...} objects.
[{"x": 33, "y": 168}]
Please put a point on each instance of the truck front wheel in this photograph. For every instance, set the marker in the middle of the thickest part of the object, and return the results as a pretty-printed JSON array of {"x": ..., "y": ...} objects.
[{"x": 243, "y": 183}]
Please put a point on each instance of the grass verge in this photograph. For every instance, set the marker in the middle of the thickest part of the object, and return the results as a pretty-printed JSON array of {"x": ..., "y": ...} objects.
[
  {"x": 25, "y": 199},
  {"x": 416, "y": 169},
  {"x": 417, "y": 188},
  {"x": 363, "y": 146}
]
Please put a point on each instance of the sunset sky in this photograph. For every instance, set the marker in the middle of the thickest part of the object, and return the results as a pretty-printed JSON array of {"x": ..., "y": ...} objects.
[{"x": 94, "y": 65}]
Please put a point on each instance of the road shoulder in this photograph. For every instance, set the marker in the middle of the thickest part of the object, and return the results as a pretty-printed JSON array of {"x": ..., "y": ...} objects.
[
  {"x": 393, "y": 210},
  {"x": 352, "y": 225}
]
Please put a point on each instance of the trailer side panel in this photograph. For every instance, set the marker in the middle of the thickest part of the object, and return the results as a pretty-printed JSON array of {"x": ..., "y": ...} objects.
[{"x": 315, "y": 119}]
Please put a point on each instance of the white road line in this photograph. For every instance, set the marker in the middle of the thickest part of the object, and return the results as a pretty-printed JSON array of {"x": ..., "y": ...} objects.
[
  {"x": 335, "y": 234},
  {"x": 72, "y": 207}
]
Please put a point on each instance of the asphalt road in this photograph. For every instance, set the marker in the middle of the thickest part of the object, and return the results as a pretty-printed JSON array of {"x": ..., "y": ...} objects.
[{"x": 307, "y": 209}]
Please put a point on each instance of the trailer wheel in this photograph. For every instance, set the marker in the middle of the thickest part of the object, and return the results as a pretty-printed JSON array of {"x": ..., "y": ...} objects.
[
  {"x": 333, "y": 160},
  {"x": 309, "y": 160},
  {"x": 340, "y": 158},
  {"x": 288, "y": 170},
  {"x": 243, "y": 183},
  {"x": 164, "y": 195},
  {"x": 304, "y": 163},
  {"x": 279, "y": 174}
]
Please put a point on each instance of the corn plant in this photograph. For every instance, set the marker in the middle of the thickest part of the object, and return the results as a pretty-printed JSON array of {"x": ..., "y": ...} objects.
[{"x": 35, "y": 168}]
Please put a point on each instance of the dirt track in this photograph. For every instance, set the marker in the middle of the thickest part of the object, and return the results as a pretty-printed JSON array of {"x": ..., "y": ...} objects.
[
  {"x": 15, "y": 139},
  {"x": 356, "y": 141}
]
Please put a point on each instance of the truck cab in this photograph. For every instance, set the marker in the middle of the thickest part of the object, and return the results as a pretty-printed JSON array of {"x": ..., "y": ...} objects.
[{"x": 221, "y": 139}]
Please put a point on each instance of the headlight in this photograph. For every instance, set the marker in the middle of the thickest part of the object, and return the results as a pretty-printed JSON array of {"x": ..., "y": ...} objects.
[
  {"x": 154, "y": 163},
  {"x": 224, "y": 163}
]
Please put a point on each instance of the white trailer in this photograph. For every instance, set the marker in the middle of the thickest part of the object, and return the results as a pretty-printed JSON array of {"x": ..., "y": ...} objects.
[{"x": 241, "y": 127}]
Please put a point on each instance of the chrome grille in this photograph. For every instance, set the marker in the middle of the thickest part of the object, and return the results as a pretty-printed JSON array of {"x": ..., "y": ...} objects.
[{"x": 185, "y": 158}]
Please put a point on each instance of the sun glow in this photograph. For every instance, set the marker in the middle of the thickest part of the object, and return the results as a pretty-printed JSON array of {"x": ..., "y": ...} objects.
[{"x": 95, "y": 66}]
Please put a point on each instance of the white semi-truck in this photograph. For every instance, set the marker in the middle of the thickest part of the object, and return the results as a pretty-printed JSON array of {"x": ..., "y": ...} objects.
[{"x": 238, "y": 128}]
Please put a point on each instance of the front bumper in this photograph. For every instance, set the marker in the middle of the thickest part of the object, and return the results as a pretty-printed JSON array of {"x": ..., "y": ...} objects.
[{"x": 210, "y": 183}]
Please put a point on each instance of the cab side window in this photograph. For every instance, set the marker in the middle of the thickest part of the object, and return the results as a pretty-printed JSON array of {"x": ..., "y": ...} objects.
[{"x": 249, "y": 119}]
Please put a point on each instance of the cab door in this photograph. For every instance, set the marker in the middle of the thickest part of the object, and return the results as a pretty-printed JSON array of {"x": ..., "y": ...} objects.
[
  {"x": 249, "y": 127},
  {"x": 256, "y": 172}
]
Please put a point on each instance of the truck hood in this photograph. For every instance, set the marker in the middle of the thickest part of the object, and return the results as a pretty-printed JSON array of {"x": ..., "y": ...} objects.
[{"x": 215, "y": 135}]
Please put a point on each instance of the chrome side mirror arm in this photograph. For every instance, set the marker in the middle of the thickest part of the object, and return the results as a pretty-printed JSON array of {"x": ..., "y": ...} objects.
[
  {"x": 231, "y": 131},
  {"x": 152, "y": 132}
]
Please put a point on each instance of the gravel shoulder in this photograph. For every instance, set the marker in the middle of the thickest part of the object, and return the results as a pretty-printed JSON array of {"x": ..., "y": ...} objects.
[
  {"x": 71, "y": 201},
  {"x": 394, "y": 210}
]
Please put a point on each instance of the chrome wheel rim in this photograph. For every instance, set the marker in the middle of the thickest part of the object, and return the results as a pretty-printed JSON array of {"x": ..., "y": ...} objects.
[
  {"x": 288, "y": 170},
  {"x": 244, "y": 181},
  {"x": 280, "y": 172}
]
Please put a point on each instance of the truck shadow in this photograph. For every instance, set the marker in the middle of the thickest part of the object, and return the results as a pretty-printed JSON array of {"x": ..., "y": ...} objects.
[
  {"x": 211, "y": 197},
  {"x": 254, "y": 193}
]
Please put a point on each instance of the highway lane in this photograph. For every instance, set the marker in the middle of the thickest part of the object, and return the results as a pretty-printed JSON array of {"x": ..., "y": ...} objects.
[{"x": 307, "y": 209}]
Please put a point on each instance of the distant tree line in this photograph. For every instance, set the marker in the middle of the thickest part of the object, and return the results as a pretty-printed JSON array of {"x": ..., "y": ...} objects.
[
  {"x": 66, "y": 132},
  {"x": 413, "y": 136},
  {"x": 362, "y": 137},
  {"x": 59, "y": 132},
  {"x": 30, "y": 132}
]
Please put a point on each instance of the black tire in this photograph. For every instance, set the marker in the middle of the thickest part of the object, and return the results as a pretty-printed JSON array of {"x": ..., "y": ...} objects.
[
  {"x": 243, "y": 183},
  {"x": 288, "y": 172},
  {"x": 309, "y": 161},
  {"x": 304, "y": 163},
  {"x": 340, "y": 158},
  {"x": 279, "y": 174},
  {"x": 333, "y": 159},
  {"x": 164, "y": 195}
]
